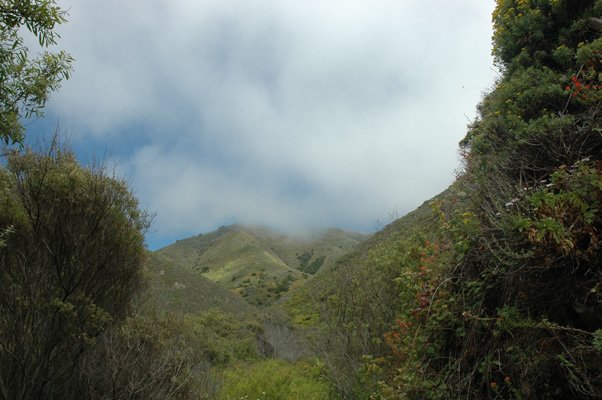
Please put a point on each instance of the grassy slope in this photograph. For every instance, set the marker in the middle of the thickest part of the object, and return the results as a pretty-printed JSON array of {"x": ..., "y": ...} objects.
[
  {"x": 300, "y": 304},
  {"x": 257, "y": 262},
  {"x": 329, "y": 243},
  {"x": 213, "y": 250},
  {"x": 182, "y": 290}
]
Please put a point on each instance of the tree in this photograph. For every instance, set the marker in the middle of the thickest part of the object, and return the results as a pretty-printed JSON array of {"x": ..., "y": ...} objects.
[
  {"x": 528, "y": 32},
  {"x": 70, "y": 263},
  {"x": 26, "y": 83}
]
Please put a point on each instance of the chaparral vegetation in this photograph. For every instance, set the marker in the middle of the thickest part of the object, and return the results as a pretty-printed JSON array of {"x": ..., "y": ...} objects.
[{"x": 490, "y": 290}]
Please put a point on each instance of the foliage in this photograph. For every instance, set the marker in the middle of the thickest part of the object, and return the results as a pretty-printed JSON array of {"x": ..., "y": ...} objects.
[
  {"x": 304, "y": 259},
  {"x": 276, "y": 380},
  {"x": 315, "y": 265},
  {"x": 26, "y": 83},
  {"x": 71, "y": 261},
  {"x": 153, "y": 355},
  {"x": 360, "y": 297},
  {"x": 417, "y": 341},
  {"x": 160, "y": 353},
  {"x": 565, "y": 213},
  {"x": 280, "y": 339},
  {"x": 527, "y": 32},
  {"x": 227, "y": 340},
  {"x": 507, "y": 304}
]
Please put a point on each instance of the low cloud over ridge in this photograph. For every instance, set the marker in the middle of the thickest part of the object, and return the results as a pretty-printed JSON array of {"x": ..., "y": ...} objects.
[{"x": 290, "y": 114}]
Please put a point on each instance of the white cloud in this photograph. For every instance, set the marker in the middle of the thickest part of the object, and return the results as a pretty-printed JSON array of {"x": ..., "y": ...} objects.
[{"x": 282, "y": 112}]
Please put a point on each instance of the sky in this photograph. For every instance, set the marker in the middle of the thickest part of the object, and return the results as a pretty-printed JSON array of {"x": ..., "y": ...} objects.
[{"x": 291, "y": 114}]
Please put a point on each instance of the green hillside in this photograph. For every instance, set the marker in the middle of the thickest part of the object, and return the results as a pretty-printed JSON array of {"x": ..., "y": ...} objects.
[
  {"x": 353, "y": 269},
  {"x": 258, "y": 263},
  {"x": 181, "y": 290}
]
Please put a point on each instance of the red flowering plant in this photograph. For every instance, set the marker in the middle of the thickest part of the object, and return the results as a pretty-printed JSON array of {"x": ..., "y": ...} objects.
[
  {"x": 580, "y": 89},
  {"x": 585, "y": 87},
  {"x": 563, "y": 213},
  {"x": 419, "y": 334},
  {"x": 416, "y": 336}
]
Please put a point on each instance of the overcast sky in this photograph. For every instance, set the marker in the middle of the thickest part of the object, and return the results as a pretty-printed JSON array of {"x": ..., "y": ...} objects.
[{"x": 287, "y": 113}]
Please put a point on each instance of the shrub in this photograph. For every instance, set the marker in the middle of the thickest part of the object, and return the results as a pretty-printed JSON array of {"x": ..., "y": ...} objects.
[
  {"x": 152, "y": 356},
  {"x": 512, "y": 309},
  {"x": 276, "y": 380},
  {"x": 71, "y": 260}
]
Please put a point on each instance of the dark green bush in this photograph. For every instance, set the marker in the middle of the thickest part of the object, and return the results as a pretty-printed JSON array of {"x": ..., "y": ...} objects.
[{"x": 71, "y": 261}]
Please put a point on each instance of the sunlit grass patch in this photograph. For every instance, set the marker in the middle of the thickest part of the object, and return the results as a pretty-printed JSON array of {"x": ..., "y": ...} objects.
[{"x": 275, "y": 380}]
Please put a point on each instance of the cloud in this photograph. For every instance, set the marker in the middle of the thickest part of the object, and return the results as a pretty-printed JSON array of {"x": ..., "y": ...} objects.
[{"x": 279, "y": 112}]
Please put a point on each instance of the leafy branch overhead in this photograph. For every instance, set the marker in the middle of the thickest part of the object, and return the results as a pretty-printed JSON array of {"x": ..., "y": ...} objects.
[{"x": 26, "y": 82}]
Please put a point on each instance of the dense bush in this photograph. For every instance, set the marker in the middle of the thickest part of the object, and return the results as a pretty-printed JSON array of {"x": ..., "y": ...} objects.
[
  {"x": 502, "y": 301},
  {"x": 360, "y": 298},
  {"x": 71, "y": 259},
  {"x": 154, "y": 355},
  {"x": 511, "y": 309}
]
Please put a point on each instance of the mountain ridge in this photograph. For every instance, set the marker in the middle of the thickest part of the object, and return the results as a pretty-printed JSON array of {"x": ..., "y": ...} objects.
[{"x": 260, "y": 263}]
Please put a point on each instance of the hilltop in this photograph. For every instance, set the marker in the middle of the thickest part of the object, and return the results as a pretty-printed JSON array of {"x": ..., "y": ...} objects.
[{"x": 258, "y": 263}]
